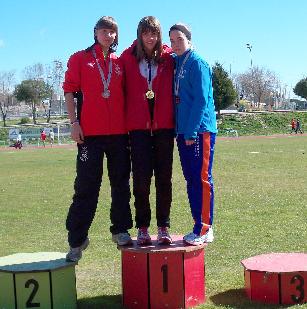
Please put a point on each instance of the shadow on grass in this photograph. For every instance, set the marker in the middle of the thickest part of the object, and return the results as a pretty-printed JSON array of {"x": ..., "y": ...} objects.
[
  {"x": 101, "y": 302},
  {"x": 237, "y": 299}
]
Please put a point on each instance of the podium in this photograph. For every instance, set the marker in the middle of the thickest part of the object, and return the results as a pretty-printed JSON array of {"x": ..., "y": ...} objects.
[
  {"x": 37, "y": 280},
  {"x": 163, "y": 276},
  {"x": 276, "y": 278}
]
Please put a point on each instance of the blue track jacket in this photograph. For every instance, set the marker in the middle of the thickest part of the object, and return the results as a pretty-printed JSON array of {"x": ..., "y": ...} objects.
[{"x": 195, "y": 113}]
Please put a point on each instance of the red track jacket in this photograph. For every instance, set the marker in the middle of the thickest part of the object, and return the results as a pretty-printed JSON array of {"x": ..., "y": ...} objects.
[
  {"x": 99, "y": 116},
  {"x": 138, "y": 115}
]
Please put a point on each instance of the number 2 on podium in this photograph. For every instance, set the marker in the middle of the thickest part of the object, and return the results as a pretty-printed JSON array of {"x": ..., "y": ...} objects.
[{"x": 29, "y": 303}]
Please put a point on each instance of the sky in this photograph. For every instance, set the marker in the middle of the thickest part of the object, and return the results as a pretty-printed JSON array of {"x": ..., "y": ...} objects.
[{"x": 41, "y": 31}]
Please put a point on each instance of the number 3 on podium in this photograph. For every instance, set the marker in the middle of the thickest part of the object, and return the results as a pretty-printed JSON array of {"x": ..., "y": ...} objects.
[
  {"x": 298, "y": 281},
  {"x": 293, "y": 288}
]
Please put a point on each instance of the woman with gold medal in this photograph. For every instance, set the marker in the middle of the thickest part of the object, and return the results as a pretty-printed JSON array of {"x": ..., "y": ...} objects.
[{"x": 148, "y": 68}]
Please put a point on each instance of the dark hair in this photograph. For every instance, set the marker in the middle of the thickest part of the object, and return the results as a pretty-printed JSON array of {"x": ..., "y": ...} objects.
[
  {"x": 148, "y": 24},
  {"x": 107, "y": 22},
  {"x": 182, "y": 28}
]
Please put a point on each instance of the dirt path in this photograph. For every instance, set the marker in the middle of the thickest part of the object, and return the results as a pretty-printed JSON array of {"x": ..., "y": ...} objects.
[
  {"x": 72, "y": 146},
  {"x": 56, "y": 146},
  {"x": 261, "y": 136}
]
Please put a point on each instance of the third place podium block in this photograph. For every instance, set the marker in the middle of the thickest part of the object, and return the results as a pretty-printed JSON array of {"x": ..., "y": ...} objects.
[
  {"x": 157, "y": 276},
  {"x": 276, "y": 278}
]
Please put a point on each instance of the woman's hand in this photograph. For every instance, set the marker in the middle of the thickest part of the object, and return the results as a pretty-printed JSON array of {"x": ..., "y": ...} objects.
[
  {"x": 189, "y": 142},
  {"x": 77, "y": 133}
]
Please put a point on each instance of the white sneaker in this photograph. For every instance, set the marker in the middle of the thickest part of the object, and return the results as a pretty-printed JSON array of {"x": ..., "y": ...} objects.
[
  {"x": 197, "y": 240},
  {"x": 164, "y": 237},
  {"x": 143, "y": 238},
  {"x": 75, "y": 254},
  {"x": 122, "y": 239}
]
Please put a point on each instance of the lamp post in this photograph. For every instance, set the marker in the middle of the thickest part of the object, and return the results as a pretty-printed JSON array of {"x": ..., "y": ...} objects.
[
  {"x": 50, "y": 88},
  {"x": 58, "y": 71},
  {"x": 249, "y": 47}
]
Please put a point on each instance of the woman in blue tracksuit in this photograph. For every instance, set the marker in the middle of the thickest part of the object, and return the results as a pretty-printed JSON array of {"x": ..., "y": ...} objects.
[{"x": 196, "y": 130}]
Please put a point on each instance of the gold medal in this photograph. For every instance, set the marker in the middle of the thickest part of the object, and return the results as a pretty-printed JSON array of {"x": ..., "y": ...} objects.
[{"x": 150, "y": 94}]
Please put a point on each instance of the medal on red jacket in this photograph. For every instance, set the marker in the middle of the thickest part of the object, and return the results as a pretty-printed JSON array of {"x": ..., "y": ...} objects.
[
  {"x": 106, "y": 92},
  {"x": 150, "y": 94}
]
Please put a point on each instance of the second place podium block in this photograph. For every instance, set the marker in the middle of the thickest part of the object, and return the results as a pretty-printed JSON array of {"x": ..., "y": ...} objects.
[{"x": 37, "y": 280}]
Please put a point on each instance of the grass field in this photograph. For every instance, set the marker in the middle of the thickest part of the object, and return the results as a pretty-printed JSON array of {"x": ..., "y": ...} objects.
[{"x": 261, "y": 207}]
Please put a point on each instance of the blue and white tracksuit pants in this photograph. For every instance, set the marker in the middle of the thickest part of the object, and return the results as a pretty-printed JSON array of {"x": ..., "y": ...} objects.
[{"x": 196, "y": 162}]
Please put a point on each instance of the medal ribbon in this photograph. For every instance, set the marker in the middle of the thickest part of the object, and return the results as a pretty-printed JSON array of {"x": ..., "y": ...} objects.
[
  {"x": 149, "y": 80},
  {"x": 105, "y": 82},
  {"x": 177, "y": 79}
]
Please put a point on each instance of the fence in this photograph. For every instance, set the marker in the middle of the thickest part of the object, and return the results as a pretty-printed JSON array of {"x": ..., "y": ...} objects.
[{"x": 30, "y": 134}]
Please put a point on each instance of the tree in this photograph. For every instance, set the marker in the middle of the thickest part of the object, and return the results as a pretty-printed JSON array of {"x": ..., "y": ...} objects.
[
  {"x": 34, "y": 72},
  {"x": 300, "y": 88},
  {"x": 6, "y": 93},
  {"x": 224, "y": 92},
  {"x": 32, "y": 92},
  {"x": 54, "y": 79},
  {"x": 257, "y": 83}
]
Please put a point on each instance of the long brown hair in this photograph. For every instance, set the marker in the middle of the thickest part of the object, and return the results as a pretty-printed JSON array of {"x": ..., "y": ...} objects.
[{"x": 146, "y": 24}]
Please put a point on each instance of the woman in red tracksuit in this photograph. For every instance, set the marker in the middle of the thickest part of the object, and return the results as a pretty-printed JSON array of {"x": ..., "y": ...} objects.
[
  {"x": 99, "y": 130},
  {"x": 148, "y": 68}
]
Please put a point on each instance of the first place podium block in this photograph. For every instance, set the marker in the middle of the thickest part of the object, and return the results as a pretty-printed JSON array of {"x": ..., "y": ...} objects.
[
  {"x": 157, "y": 276},
  {"x": 37, "y": 280}
]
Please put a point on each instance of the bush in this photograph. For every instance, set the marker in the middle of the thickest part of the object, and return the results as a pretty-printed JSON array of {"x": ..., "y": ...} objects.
[
  {"x": 4, "y": 134},
  {"x": 24, "y": 120}
]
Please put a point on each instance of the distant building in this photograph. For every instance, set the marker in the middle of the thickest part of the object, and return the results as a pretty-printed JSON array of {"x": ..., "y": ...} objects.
[
  {"x": 58, "y": 107},
  {"x": 299, "y": 104}
]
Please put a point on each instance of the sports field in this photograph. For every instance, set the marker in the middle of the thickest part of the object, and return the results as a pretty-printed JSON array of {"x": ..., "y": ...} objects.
[{"x": 261, "y": 207}]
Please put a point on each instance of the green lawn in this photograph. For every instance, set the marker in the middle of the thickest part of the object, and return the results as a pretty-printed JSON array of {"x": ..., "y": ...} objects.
[
  {"x": 260, "y": 123},
  {"x": 261, "y": 199}
]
